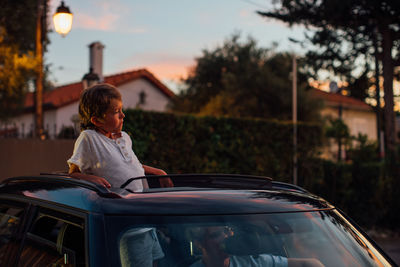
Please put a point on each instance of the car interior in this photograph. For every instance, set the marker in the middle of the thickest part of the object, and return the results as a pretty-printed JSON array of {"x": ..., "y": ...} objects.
[{"x": 53, "y": 241}]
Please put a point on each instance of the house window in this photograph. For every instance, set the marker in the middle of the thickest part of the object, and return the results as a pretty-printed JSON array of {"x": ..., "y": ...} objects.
[{"x": 142, "y": 98}]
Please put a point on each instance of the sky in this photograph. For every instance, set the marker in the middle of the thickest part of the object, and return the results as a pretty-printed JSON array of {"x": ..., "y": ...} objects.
[{"x": 162, "y": 36}]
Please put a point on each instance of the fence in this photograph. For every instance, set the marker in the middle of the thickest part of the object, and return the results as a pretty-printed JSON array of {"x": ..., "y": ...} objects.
[
  {"x": 20, "y": 157},
  {"x": 54, "y": 131}
]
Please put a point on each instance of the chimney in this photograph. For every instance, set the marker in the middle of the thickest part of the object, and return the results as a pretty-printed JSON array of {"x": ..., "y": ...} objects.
[{"x": 96, "y": 59}]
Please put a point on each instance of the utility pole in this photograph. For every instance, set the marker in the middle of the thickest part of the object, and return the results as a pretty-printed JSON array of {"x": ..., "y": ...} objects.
[
  {"x": 294, "y": 116},
  {"x": 40, "y": 33}
]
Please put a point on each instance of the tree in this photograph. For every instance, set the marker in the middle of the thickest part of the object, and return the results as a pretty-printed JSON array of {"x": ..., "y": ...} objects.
[
  {"x": 15, "y": 70},
  {"x": 368, "y": 29},
  {"x": 18, "y": 63},
  {"x": 239, "y": 79},
  {"x": 339, "y": 131}
]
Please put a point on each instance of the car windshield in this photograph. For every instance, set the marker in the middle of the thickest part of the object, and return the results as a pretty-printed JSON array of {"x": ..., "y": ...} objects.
[{"x": 315, "y": 238}]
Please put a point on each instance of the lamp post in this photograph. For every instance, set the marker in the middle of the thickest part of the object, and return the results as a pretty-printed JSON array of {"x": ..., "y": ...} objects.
[
  {"x": 62, "y": 23},
  {"x": 40, "y": 32},
  {"x": 294, "y": 117}
]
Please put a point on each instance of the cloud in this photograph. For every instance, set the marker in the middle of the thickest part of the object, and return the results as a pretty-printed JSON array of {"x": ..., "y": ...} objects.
[
  {"x": 163, "y": 66},
  {"x": 244, "y": 13},
  {"x": 105, "y": 22},
  {"x": 169, "y": 70},
  {"x": 103, "y": 16}
]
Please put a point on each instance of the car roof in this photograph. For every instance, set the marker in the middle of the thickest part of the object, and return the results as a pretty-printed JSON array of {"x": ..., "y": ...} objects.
[{"x": 192, "y": 194}]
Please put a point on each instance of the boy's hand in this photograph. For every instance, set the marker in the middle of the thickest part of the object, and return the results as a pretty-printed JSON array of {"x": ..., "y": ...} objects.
[
  {"x": 98, "y": 180},
  {"x": 166, "y": 182},
  {"x": 153, "y": 171},
  {"x": 75, "y": 172}
]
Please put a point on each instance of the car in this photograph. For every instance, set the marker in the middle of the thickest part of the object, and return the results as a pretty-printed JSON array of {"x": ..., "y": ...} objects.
[{"x": 55, "y": 220}]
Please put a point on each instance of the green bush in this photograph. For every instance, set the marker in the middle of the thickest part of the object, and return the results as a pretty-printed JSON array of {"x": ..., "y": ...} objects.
[
  {"x": 355, "y": 188},
  {"x": 189, "y": 144}
]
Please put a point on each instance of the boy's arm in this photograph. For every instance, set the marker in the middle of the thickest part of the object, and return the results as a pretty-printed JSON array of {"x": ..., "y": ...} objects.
[
  {"x": 164, "y": 182},
  {"x": 75, "y": 172}
]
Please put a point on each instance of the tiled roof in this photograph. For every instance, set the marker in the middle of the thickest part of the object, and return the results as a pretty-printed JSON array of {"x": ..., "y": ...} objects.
[
  {"x": 66, "y": 94},
  {"x": 333, "y": 99}
]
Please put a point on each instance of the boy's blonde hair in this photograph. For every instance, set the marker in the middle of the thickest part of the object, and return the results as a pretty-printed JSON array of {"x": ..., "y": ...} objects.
[{"x": 94, "y": 102}]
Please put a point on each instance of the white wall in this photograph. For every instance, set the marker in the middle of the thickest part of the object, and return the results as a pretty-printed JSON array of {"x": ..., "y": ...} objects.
[
  {"x": 50, "y": 122},
  {"x": 155, "y": 99},
  {"x": 358, "y": 121},
  {"x": 64, "y": 115}
]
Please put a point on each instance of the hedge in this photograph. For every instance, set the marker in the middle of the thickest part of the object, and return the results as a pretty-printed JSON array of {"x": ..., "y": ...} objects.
[
  {"x": 190, "y": 144},
  {"x": 358, "y": 189}
]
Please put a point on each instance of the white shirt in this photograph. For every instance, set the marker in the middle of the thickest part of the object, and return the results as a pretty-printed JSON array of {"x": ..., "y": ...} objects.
[
  {"x": 264, "y": 260},
  {"x": 112, "y": 159}
]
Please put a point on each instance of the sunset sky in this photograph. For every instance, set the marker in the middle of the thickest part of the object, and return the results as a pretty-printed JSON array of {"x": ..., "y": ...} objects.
[{"x": 163, "y": 36}]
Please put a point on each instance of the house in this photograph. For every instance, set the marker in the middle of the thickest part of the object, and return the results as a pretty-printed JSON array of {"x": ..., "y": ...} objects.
[
  {"x": 139, "y": 89},
  {"x": 356, "y": 114},
  {"x": 359, "y": 117}
]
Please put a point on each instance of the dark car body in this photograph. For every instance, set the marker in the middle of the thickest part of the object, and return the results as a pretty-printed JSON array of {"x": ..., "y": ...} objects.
[{"x": 52, "y": 220}]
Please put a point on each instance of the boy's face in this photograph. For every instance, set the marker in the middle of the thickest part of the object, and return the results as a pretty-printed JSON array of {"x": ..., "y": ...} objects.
[{"x": 113, "y": 120}]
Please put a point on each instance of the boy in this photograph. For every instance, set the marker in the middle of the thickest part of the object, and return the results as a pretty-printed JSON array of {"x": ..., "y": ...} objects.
[{"x": 103, "y": 153}]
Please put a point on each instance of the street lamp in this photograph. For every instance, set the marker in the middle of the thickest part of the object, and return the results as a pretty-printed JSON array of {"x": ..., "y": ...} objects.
[
  {"x": 62, "y": 23},
  {"x": 62, "y": 19}
]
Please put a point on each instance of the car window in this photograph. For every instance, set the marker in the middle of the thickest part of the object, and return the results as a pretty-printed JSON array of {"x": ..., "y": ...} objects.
[
  {"x": 10, "y": 219},
  {"x": 54, "y": 239},
  {"x": 319, "y": 237}
]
